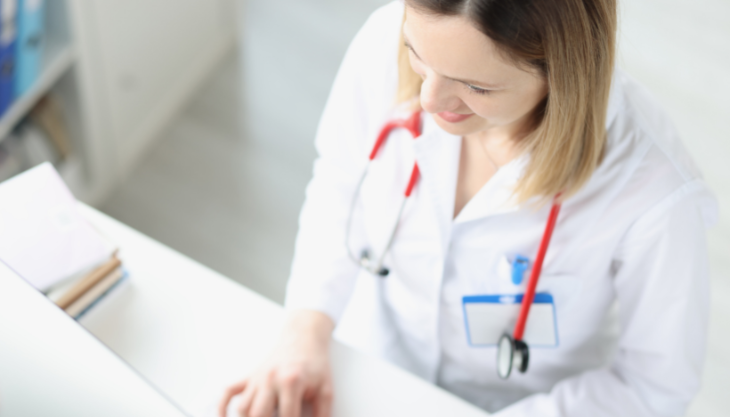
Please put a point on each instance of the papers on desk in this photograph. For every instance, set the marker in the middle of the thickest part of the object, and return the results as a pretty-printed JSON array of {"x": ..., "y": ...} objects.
[{"x": 47, "y": 242}]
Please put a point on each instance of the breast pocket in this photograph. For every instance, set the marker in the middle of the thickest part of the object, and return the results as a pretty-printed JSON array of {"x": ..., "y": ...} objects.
[
  {"x": 563, "y": 287},
  {"x": 555, "y": 296}
]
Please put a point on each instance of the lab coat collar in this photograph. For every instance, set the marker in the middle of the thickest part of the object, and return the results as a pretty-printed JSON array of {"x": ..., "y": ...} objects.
[
  {"x": 615, "y": 96},
  {"x": 497, "y": 195},
  {"x": 437, "y": 154}
]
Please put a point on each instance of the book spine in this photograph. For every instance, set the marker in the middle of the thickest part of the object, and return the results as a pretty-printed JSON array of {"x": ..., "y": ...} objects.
[
  {"x": 101, "y": 297},
  {"x": 29, "y": 44},
  {"x": 7, "y": 53},
  {"x": 88, "y": 282}
]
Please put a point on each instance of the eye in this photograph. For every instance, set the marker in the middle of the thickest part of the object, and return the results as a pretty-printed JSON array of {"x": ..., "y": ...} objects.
[
  {"x": 475, "y": 89},
  {"x": 410, "y": 50}
]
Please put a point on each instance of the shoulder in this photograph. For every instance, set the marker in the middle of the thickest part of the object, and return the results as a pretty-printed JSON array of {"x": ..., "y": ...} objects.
[
  {"x": 364, "y": 90},
  {"x": 646, "y": 167},
  {"x": 376, "y": 43},
  {"x": 646, "y": 115},
  {"x": 385, "y": 20},
  {"x": 387, "y": 17}
]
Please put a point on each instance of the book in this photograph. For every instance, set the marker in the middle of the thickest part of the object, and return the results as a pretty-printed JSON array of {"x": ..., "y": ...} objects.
[
  {"x": 96, "y": 294},
  {"x": 82, "y": 293},
  {"x": 86, "y": 283},
  {"x": 44, "y": 237},
  {"x": 29, "y": 44},
  {"x": 8, "y": 33}
]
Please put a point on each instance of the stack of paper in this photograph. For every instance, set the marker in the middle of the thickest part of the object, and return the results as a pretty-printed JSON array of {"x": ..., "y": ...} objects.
[
  {"x": 79, "y": 295},
  {"x": 45, "y": 240}
]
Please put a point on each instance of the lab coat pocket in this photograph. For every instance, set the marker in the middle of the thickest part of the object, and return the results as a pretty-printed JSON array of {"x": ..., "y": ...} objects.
[
  {"x": 562, "y": 286},
  {"x": 488, "y": 317},
  {"x": 506, "y": 272}
]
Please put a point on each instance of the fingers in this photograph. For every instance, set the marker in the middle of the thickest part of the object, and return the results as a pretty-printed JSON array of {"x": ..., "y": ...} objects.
[
  {"x": 322, "y": 405},
  {"x": 230, "y": 392},
  {"x": 290, "y": 395},
  {"x": 246, "y": 399},
  {"x": 263, "y": 403}
]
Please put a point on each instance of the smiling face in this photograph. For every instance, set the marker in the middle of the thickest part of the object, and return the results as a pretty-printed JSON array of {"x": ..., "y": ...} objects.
[{"x": 468, "y": 84}]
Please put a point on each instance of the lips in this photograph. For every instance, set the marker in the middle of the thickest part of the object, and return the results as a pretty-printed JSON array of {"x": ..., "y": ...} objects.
[{"x": 454, "y": 117}]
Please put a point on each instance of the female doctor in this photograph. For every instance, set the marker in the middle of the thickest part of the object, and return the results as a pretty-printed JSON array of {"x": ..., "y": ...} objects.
[{"x": 520, "y": 117}]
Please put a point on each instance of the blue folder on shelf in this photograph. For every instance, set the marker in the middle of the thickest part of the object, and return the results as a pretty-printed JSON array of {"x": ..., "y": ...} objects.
[
  {"x": 29, "y": 45},
  {"x": 7, "y": 53}
]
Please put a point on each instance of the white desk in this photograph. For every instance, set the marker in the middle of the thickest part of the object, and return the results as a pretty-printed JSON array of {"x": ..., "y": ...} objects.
[{"x": 191, "y": 331}]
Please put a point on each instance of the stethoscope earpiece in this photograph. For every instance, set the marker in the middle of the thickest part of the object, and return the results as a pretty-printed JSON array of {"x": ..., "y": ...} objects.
[{"x": 366, "y": 264}]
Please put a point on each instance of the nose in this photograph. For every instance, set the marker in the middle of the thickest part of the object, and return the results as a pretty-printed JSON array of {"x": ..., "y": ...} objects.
[{"x": 438, "y": 95}]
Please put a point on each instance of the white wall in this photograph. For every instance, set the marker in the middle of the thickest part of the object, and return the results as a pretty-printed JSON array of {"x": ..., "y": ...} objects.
[{"x": 680, "y": 49}]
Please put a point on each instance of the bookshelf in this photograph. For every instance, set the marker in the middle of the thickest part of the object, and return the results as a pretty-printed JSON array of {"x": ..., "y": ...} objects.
[
  {"x": 92, "y": 49},
  {"x": 58, "y": 61}
]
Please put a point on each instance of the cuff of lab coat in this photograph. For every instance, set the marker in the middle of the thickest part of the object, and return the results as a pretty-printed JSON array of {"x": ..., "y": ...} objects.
[{"x": 297, "y": 300}]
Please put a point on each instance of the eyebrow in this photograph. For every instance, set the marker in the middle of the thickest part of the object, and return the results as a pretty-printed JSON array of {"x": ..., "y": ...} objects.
[{"x": 470, "y": 82}]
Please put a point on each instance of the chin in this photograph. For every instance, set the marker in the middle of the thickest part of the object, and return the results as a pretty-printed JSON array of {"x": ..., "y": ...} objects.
[{"x": 467, "y": 127}]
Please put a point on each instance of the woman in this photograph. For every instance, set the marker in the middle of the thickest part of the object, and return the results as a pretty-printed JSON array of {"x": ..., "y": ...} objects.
[{"x": 520, "y": 107}]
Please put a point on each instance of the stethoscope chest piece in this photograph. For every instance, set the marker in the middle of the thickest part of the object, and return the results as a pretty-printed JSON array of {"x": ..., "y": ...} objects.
[{"x": 511, "y": 354}]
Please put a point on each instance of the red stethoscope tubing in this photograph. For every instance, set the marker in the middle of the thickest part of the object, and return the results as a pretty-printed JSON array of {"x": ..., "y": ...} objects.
[
  {"x": 535, "y": 274},
  {"x": 413, "y": 125}
]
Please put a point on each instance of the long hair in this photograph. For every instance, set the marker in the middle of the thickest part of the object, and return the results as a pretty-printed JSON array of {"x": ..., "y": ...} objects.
[{"x": 572, "y": 44}]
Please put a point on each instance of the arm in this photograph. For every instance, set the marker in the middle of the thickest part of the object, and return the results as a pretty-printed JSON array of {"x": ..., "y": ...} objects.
[
  {"x": 323, "y": 277},
  {"x": 662, "y": 287}
]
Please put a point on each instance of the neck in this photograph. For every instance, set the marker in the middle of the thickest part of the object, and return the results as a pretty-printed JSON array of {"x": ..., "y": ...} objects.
[{"x": 503, "y": 143}]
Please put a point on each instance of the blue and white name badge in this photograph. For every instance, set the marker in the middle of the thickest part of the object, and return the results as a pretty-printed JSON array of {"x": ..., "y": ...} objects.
[{"x": 487, "y": 317}]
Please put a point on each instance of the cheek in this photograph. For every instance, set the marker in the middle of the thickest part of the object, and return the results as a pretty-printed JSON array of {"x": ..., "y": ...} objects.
[
  {"x": 499, "y": 108},
  {"x": 484, "y": 106}
]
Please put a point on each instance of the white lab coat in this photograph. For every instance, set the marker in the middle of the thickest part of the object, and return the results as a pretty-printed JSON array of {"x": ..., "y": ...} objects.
[{"x": 627, "y": 265}]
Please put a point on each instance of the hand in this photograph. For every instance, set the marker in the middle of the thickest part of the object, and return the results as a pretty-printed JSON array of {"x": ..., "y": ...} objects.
[{"x": 297, "y": 372}]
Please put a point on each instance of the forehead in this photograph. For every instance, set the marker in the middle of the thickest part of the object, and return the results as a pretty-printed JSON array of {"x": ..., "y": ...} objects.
[{"x": 452, "y": 46}]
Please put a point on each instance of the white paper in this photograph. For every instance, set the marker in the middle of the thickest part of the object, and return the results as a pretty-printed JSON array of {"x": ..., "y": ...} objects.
[{"x": 42, "y": 235}]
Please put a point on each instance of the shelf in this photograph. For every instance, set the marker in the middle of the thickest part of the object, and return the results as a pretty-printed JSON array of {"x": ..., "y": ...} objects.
[
  {"x": 72, "y": 172},
  {"x": 58, "y": 59}
]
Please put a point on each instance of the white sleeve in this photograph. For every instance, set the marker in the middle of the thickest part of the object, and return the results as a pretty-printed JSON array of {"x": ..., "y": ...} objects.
[
  {"x": 322, "y": 275},
  {"x": 662, "y": 288}
]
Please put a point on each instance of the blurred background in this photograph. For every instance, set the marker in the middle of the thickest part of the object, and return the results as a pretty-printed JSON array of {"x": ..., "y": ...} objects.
[{"x": 193, "y": 121}]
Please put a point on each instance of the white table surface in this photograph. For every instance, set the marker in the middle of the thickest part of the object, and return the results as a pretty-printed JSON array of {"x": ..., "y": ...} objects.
[{"x": 191, "y": 331}]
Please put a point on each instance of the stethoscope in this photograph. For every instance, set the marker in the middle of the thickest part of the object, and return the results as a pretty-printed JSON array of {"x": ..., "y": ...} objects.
[
  {"x": 413, "y": 125},
  {"x": 512, "y": 351}
]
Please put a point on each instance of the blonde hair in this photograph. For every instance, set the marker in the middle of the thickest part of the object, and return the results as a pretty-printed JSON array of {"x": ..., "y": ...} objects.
[{"x": 572, "y": 44}]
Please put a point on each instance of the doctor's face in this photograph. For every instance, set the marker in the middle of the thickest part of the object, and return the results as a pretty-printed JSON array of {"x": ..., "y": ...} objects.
[{"x": 468, "y": 84}]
